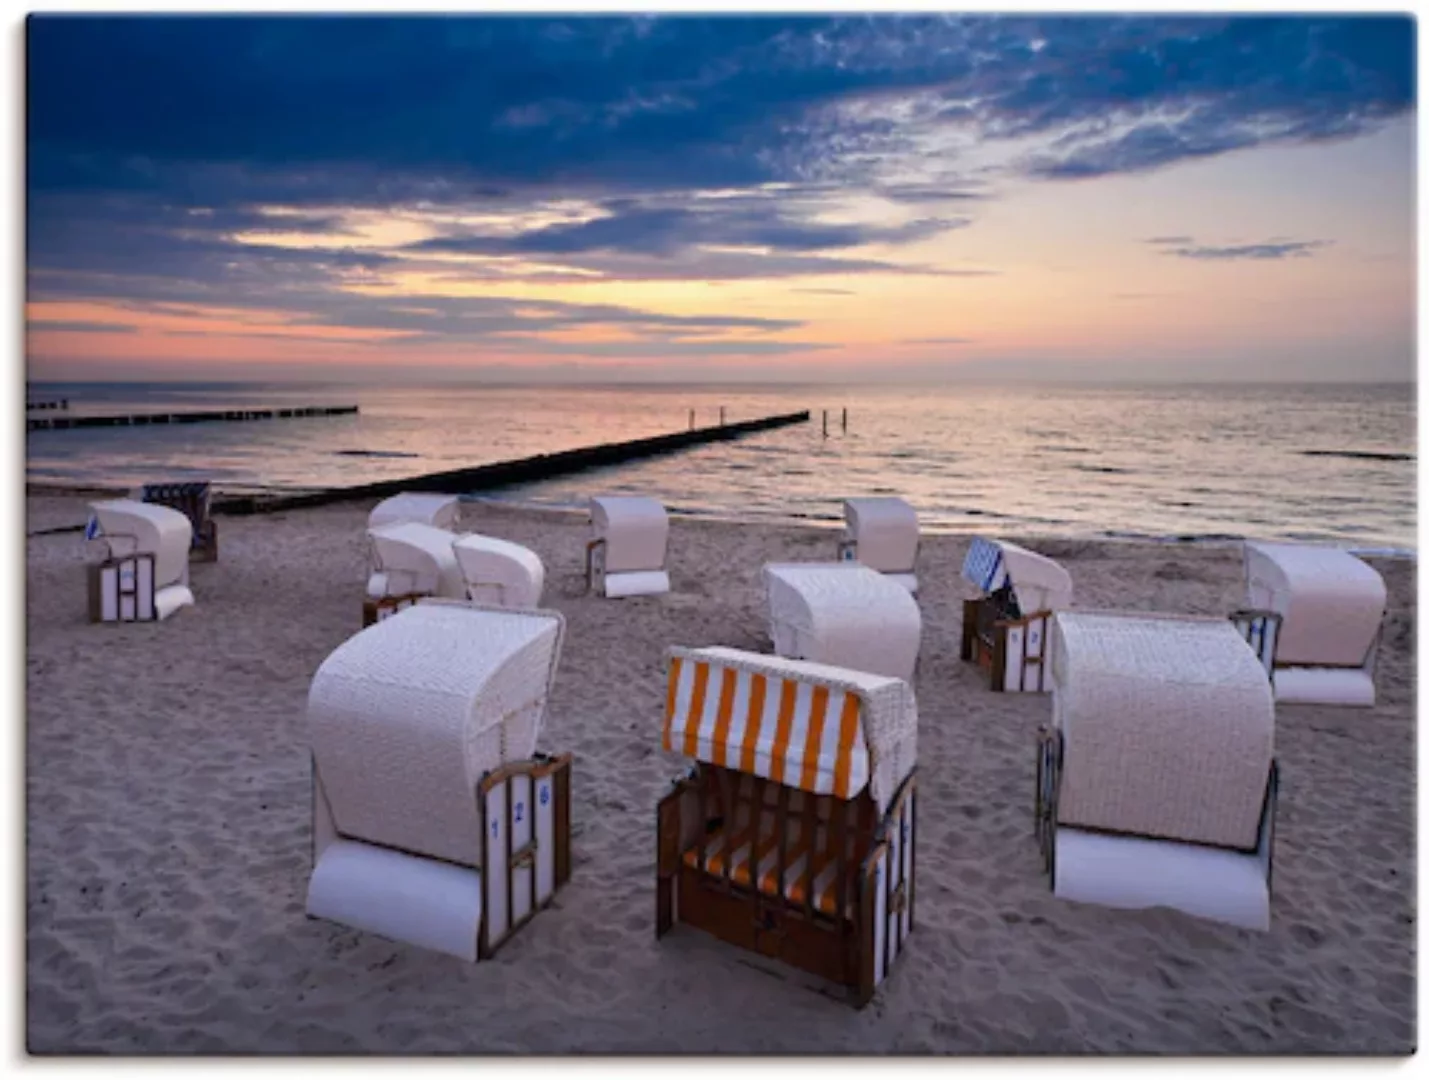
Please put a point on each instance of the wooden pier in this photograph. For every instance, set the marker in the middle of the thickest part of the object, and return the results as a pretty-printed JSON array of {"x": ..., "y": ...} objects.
[
  {"x": 142, "y": 419},
  {"x": 520, "y": 471}
]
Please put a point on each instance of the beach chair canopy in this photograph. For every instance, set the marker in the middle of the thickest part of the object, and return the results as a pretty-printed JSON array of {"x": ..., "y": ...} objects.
[
  {"x": 1168, "y": 727},
  {"x": 635, "y": 529},
  {"x": 409, "y": 557},
  {"x": 425, "y": 508},
  {"x": 1330, "y": 603},
  {"x": 822, "y": 729},
  {"x": 130, "y": 527},
  {"x": 1038, "y": 583},
  {"x": 886, "y": 532},
  {"x": 499, "y": 572},
  {"x": 406, "y": 717}
]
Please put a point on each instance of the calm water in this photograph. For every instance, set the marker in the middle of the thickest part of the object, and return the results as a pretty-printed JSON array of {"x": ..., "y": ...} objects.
[{"x": 1327, "y": 463}]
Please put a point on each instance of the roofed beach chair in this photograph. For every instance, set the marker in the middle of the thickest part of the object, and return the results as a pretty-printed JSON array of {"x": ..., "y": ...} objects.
[
  {"x": 1005, "y": 629},
  {"x": 1156, "y": 780},
  {"x": 843, "y": 614},
  {"x": 794, "y": 833},
  {"x": 435, "y": 821},
  {"x": 145, "y": 572},
  {"x": 625, "y": 555},
  {"x": 408, "y": 561},
  {"x": 426, "y": 508},
  {"x": 1320, "y": 612},
  {"x": 499, "y": 572},
  {"x": 192, "y": 499},
  {"x": 882, "y": 534}
]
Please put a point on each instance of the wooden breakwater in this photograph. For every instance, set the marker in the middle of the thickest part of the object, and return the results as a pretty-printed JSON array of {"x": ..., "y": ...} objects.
[
  {"x": 519, "y": 471},
  {"x": 208, "y": 416}
]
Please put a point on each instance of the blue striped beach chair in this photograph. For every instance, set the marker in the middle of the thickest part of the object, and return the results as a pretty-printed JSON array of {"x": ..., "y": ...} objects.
[{"x": 1005, "y": 629}]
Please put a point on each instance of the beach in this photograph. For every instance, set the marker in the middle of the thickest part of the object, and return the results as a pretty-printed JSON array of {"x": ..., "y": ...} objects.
[{"x": 168, "y": 832}]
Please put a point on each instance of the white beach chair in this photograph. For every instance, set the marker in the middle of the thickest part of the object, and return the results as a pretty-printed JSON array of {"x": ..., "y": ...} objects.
[
  {"x": 794, "y": 833},
  {"x": 882, "y": 534},
  {"x": 408, "y": 561},
  {"x": 625, "y": 555},
  {"x": 145, "y": 572},
  {"x": 1156, "y": 779},
  {"x": 843, "y": 614},
  {"x": 1328, "y": 610},
  {"x": 425, "y": 508},
  {"x": 435, "y": 821},
  {"x": 499, "y": 572},
  {"x": 1005, "y": 629}
]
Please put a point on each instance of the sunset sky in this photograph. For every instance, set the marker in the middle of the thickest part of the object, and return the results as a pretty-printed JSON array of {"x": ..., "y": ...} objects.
[{"x": 686, "y": 198}]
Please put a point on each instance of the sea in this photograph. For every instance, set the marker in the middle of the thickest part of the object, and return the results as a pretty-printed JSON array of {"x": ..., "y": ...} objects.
[{"x": 1329, "y": 463}]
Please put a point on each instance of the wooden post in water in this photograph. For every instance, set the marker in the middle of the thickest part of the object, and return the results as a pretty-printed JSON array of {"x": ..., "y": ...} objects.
[
  {"x": 845, "y": 419},
  {"x": 692, "y": 419},
  {"x": 721, "y": 416},
  {"x": 826, "y": 423}
]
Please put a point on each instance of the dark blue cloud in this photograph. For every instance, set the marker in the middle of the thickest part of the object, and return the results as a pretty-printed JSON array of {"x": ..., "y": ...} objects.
[
  {"x": 663, "y": 231},
  {"x": 386, "y": 108}
]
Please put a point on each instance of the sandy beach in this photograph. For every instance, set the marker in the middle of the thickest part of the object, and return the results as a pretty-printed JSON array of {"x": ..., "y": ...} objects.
[{"x": 168, "y": 818}]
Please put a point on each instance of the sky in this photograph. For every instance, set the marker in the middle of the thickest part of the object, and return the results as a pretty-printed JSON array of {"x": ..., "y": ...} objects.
[{"x": 747, "y": 198}]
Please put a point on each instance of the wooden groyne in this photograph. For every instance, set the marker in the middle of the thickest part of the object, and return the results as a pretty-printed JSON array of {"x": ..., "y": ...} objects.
[
  {"x": 520, "y": 471},
  {"x": 231, "y": 415},
  {"x": 37, "y": 406}
]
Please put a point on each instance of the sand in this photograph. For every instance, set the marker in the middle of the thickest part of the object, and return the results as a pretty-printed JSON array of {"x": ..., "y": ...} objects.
[{"x": 167, "y": 831}]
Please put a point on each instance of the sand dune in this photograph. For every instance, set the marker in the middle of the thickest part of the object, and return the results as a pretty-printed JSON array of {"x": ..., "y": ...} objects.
[{"x": 168, "y": 839}]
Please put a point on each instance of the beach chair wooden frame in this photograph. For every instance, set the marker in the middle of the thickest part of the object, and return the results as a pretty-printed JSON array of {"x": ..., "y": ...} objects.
[
  {"x": 121, "y": 590},
  {"x": 1050, "y": 761},
  {"x": 192, "y": 499},
  {"x": 872, "y": 878},
  {"x": 1012, "y": 649},
  {"x": 524, "y": 814},
  {"x": 387, "y": 606},
  {"x": 595, "y": 565}
]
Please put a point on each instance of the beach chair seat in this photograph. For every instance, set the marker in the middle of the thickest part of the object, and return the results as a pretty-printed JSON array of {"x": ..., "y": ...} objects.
[
  {"x": 1005, "y": 629},
  {"x": 1329, "y": 609},
  {"x": 882, "y": 534},
  {"x": 192, "y": 499},
  {"x": 424, "y": 508},
  {"x": 435, "y": 820},
  {"x": 499, "y": 572},
  {"x": 794, "y": 832},
  {"x": 406, "y": 562},
  {"x": 843, "y": 614},
  {"x": 625, "y": 555},
  {"x": 144, "y": 575},
  {"x": 1157, "y": 781}
]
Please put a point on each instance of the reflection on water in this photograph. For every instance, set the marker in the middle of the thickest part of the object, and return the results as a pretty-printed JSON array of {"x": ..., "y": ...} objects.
[{"x": 1309, "y": 462}]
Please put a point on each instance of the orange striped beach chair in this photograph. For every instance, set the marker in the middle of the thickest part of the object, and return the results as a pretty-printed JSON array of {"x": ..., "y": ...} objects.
[{"x": 794, "y": 832}]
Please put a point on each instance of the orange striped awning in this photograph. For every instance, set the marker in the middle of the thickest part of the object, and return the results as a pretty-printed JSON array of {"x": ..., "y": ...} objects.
[{"x": 790, "y": 728}]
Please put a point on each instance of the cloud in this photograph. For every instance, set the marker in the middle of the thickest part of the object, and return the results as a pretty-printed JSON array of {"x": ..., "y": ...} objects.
[
  {"x": 664, "y": 231},
  {"x": 1286, "y": 249},
  {"x": 937, "y": 341},
  {"x": 78, "y": 326},
  {"x": 384, "y": 110},
  {"x": 827, "y": 292}
]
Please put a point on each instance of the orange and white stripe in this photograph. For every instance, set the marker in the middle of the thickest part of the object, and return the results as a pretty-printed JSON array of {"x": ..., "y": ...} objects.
[{"x": 795, "y": 731}]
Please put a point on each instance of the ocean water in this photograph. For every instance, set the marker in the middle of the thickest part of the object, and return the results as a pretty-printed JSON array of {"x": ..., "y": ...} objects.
[{"x": 1328, "y": 463}]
